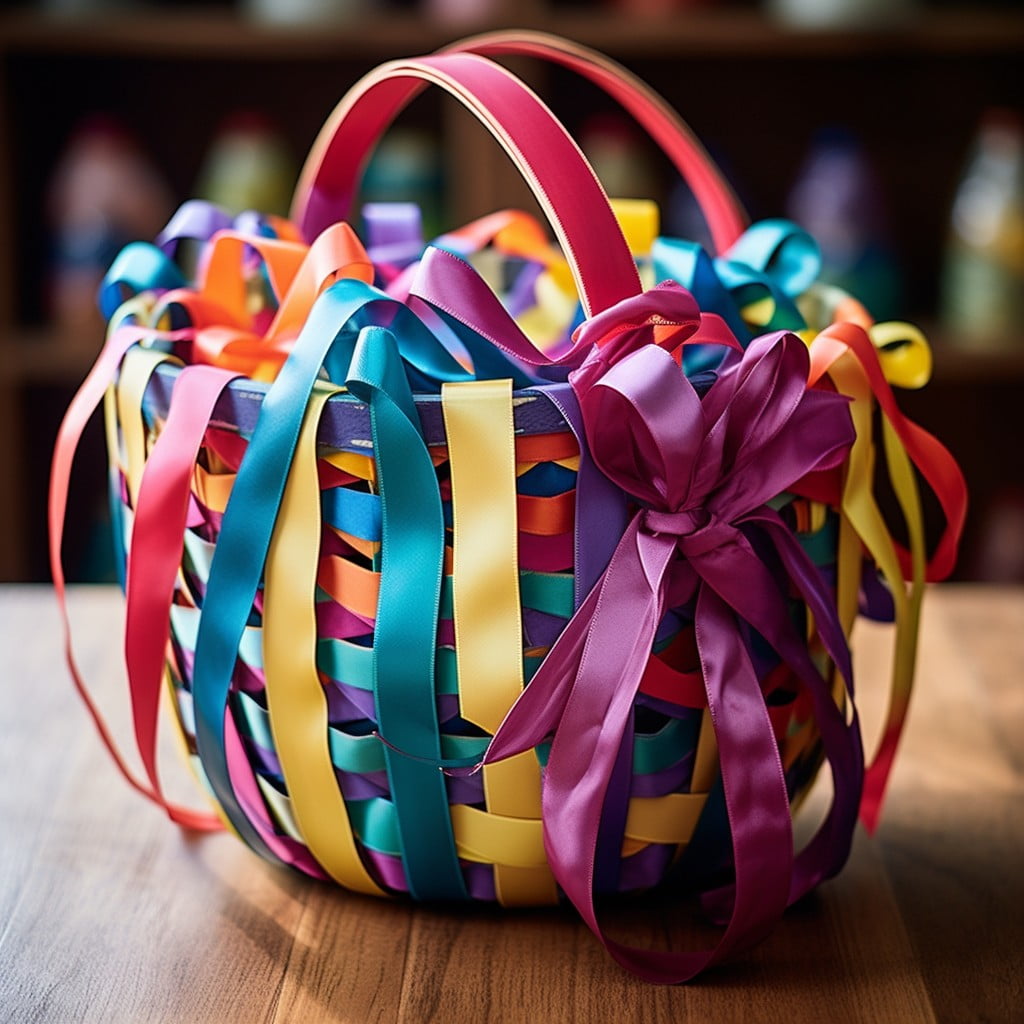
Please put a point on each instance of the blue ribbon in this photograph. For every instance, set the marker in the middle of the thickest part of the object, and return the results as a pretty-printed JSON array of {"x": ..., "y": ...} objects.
[
  {"x": 405, "y": 635},
  {"x": 138, "y": 267},
  {"x": 340, "y": 334},
  {"x": 773, "y": 259},
  {"x": 354, "y": 512}
]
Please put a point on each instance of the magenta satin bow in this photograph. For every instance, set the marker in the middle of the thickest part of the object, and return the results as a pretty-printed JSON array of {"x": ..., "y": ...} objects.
[{"x": 702, "y": 471}]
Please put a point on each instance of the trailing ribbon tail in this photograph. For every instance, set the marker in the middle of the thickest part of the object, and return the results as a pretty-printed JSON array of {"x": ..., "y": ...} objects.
[
  {"x": 589, "y": 682},
  {"x": 701, "y": 470}
]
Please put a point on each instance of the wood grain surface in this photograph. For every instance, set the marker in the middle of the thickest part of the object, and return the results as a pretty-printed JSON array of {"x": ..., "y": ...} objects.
[{"x": 109, "y": 914}]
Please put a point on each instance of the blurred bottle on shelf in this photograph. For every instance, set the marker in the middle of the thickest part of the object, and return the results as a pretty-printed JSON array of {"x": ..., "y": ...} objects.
[
  {"x": 841, "y": 14},
  {"x": 406, "y": 167},
  {"x": 657, "y": 8},
  {"x": 104, "y": 193},
  {"x": 249, "y": 166},
  {"x": 79, "y": 8},
  {"x": 983, "y": 279},
  {"x": 838, "y": 200},
  {"x": 459, "y": 13},
  {"x": 620, "y": 156},
  {"x": 301, "y": 12},
  {"x": 999, "y": 554}
]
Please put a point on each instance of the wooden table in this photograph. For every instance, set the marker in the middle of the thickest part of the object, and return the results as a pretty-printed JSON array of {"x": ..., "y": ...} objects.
[{"x": 108, "y": 914}]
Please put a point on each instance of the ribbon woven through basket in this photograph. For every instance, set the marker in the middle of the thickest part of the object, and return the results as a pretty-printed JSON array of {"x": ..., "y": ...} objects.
[{"x": 485, "y": 568}]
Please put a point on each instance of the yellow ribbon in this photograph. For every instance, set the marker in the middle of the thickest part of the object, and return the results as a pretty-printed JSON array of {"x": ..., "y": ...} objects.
[
  {"x": 485, "y": 594},
  {"x": 904, "y": 353},
  {"x": 296, "y": 702},
  {"x": 862, "y": 523}
]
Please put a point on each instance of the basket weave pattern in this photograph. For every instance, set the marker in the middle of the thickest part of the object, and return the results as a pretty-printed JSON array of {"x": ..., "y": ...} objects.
[{"x": 674, "y": 751}]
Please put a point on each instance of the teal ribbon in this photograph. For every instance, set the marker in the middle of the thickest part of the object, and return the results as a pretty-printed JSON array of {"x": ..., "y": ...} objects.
[
  {"x": 405, "y": 634},
  {"x": 781, "y": 250},
  {"x": 352, "y": 664},
  {"x": 772, "y": 259},
  {"x": 330, "y": 338},
  {"x": 138, "y": 267}
]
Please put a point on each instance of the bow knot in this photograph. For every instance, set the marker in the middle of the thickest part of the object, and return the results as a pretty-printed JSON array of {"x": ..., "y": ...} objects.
[
  {"x": 697, "y": 530},
  {"x": 702, "y": 468}
]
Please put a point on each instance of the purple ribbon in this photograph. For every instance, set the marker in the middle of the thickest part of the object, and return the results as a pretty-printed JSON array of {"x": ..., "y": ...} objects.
[{"x": 702, "y": 471}]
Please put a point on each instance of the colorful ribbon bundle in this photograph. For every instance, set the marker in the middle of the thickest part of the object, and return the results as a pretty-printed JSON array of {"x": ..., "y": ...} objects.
[{"x": 450, "y": 614}]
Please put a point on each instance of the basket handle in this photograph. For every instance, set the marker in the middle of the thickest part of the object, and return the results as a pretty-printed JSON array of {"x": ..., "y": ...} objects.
[
  {"x": 544, "y": 153},
  {"x": 722, "y": 210}
]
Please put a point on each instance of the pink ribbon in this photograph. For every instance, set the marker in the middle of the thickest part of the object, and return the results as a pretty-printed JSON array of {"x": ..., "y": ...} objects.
[{"x": 702, "y": 471}]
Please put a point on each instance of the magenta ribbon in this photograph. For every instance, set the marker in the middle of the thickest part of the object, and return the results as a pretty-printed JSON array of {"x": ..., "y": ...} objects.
[{"x": 702, "y": 471}]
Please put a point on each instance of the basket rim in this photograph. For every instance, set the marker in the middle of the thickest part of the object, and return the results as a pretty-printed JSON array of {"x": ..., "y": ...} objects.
[{"x": 345, "y": 425}]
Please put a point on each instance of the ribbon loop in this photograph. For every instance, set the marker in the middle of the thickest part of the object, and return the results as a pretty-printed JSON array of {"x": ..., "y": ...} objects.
[
  {"x": 704, "y": 467},
  {"x": 624, "y": 327}
]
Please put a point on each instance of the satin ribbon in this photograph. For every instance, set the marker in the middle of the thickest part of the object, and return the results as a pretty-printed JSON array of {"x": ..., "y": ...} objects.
[
  {"x": 143, "y": 267},
  {"x": 155, "y": 552},
  {"x": 405, "y": 632},
  {"x": 488, "y": 625},
  {"x": 331, "y": 338},
  {"x": 451, "y": 287},
  {"x": 121, "y": 339},
  {"x": 849, "y": 355},
  {"x": 161, "y": 502},
  {"x": 156, "y": 556},
  {"x": 234, "y": 573},
  {"x": 753, "y": 285},
  {"x": 296, "y": 702},
  {"x": 197, "y": 220},
  {"x": 228, "y": 331},
  {"x": 767, "y": 267},
  {"x": 394, "y": 236},
  {"x": 138, "y": 267},
  {"x": 860, "y": 509},
  {"x": 719, "y": 205},
  {"x": 863, "y": 359},
  {"x": 702, "y": 471}
]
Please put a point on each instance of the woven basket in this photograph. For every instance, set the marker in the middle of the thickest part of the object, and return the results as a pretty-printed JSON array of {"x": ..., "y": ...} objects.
[
  {"x": 674, "y": 755},
  {"x": 349, "y": 555}
]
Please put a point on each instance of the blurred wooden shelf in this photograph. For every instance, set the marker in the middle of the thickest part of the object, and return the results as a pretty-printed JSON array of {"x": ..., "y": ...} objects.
[
  {"x": 978, "y": 364},
  {"x": 44, "y": 355},
  {"x": 714, "y": 33},
  {"x": 754, "y": 91}
]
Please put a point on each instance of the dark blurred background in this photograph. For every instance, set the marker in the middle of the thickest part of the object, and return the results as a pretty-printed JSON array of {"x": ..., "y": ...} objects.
[{"x": 890, "y": 128}]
